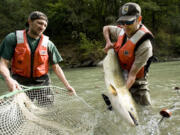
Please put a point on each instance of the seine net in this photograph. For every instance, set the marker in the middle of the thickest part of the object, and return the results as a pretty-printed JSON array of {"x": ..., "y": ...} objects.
[{"x": 45, "y": 110}]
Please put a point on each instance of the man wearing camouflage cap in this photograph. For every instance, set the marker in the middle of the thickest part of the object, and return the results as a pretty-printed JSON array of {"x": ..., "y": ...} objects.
[{"x": 134, "y": 49}]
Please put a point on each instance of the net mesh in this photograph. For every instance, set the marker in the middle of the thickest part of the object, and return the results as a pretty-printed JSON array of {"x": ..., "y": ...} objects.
[{"x": 45, "y": 110}]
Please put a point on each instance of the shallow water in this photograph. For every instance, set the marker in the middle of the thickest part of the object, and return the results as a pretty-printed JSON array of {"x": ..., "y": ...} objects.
[{"x": 89, "y": 84}]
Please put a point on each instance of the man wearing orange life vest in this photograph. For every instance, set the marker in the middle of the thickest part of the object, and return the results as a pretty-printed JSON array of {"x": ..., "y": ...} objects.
[
  {"x": 134, "y": 49},
  {"x": 31, "y": 52}
]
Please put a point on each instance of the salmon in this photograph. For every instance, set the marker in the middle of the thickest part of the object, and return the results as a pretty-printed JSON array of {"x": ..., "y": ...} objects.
[{"x": 119, "y": 96}]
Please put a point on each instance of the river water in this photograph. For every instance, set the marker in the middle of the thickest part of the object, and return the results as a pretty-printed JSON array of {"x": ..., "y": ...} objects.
[{"x": 163, "y": 77}]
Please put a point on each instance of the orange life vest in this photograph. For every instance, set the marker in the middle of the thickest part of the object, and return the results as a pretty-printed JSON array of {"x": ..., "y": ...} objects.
[
  {"x": 126, "y": 51},
  {"x": 21, "y": 63}
]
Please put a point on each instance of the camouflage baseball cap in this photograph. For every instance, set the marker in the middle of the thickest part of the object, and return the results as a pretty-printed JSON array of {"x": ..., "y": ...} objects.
[{"x": 129, "y": 12}]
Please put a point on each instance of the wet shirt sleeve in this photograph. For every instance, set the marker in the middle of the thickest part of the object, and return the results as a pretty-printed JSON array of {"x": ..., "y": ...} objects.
[
  {"x": 143, "y": 53},
  {"x": 114, "y": 31},
  {"x": 54, "y": 54},
  {"x": 7, "y": 46}
]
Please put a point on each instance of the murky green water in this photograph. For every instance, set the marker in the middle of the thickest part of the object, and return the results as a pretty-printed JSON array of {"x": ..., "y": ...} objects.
[{"x": 89, "y": 84}]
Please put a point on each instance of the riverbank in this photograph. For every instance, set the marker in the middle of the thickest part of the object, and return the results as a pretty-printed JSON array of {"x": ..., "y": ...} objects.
[{"x": 73, "y": 57}]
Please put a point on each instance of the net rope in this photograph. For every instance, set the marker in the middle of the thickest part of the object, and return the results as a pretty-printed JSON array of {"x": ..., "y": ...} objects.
[{"x": 45, "y": 110}]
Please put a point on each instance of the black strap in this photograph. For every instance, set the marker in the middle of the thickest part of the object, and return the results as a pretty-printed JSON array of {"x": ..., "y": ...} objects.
[
  {"x": 144, "y": 38},
  {"x": 147, "y": 36},
  {"x": 43, "y": 80}
]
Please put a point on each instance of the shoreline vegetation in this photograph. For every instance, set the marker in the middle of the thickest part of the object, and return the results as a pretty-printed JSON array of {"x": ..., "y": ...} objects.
[
  {"x": 74, "y": 58},
  {"x": 76, "y": 26},
  {"x": 99, "y": 63}
]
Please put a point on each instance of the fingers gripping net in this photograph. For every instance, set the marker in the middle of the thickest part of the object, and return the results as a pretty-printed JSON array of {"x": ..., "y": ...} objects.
[{"x": 45, "y": 110}]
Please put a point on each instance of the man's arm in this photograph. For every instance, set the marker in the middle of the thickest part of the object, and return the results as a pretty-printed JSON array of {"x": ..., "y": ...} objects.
[
  {"x": 4, "y": 70},
  {"x": 142, "y": 54},
  {"x": 106, "y": 33},
  {"x": 111, "y": 34},
  {"x": 132, "y": 76},
  {"x": 59, "y": 72}
]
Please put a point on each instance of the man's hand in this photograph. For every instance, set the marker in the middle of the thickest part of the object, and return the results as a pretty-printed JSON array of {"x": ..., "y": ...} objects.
[
  {"x": 59, "y": 72},
  {"x": 71, "y": 90},
  {"x": 13, "y": 84},
  {"x": 4, "y": 70},
  {"x": 108, "y": 46}
]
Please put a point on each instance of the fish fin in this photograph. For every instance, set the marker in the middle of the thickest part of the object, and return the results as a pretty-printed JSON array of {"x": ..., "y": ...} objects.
[
  {"x": 113, "y": 90},
  {"x": 107, "y": 101},
  {"x": 134, "y": 120}
]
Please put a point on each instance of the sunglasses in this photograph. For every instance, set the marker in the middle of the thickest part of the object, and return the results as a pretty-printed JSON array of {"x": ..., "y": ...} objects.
[{"x": 126, "y": 22}]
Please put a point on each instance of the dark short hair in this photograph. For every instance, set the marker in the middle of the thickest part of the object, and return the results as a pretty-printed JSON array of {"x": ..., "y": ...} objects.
[{"x": 36, "y": 15}]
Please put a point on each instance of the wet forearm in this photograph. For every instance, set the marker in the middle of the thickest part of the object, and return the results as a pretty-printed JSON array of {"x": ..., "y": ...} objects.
[
  {"x": 11, "y": 83},
  {"x": 58, "y": 71},
  {"x": 130, "y": 81},
  {"x": 4, "y": 71},
  {"x": 132, "y": 76}
]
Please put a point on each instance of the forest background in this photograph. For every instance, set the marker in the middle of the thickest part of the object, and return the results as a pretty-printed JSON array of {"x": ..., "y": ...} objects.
[{"x": 75, "y": 26}]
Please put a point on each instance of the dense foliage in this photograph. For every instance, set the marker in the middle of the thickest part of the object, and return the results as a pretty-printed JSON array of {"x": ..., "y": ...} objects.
[{"x": 79, "y": 23}]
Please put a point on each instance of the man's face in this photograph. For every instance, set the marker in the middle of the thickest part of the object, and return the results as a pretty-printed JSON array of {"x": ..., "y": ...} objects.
[
  {"x": 37, "y": 27},
  {"x": 131, "y": 29}
]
